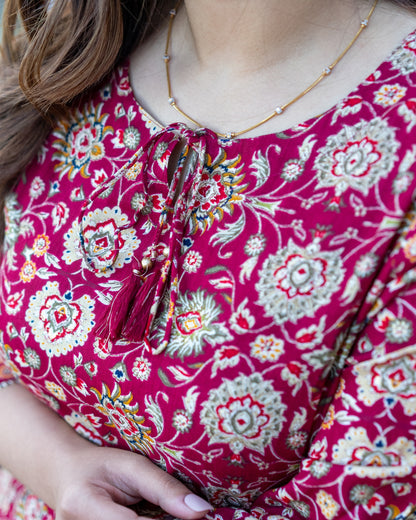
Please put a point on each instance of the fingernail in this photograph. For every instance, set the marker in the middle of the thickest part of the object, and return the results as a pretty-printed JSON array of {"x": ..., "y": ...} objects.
[{"x": 197, "y": 503}]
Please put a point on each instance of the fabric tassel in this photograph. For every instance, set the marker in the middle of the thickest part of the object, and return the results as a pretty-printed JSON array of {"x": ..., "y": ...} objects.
[
  {"x": 135, "y": 325},
  {"x": 112, "y": 322},
  {"x": 133, "y": 309}
]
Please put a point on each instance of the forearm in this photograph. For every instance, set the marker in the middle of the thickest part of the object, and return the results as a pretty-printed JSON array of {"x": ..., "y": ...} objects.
[{"x": 34, "y": 441}]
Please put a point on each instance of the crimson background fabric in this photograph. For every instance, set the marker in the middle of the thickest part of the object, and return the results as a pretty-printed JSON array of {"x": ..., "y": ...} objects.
[{"x": 286, "y": 384}]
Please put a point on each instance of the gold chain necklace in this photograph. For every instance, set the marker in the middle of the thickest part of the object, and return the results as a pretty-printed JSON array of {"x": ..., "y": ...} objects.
[{"x": 279, "y": 109}]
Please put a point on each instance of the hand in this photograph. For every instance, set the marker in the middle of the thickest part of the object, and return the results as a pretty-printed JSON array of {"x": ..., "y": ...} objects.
[{"x": 95, "y": 483}]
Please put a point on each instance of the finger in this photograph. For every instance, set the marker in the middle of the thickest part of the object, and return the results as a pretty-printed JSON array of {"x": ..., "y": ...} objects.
[
  {"x": 158, "y": 487},
  {"x": 98, "y": 507}
]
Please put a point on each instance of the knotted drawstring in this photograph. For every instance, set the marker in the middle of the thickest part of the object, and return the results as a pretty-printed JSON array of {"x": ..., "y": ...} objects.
[{"x": 133, "y": 309}]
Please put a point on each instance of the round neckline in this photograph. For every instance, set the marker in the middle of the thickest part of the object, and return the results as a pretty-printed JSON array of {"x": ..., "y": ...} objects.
[{"x": 283, "y": 134}]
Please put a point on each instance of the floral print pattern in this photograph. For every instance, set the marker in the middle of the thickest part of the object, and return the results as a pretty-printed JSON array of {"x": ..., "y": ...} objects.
[
  {"x": 274, "y": 372},
  {"x": 357, "y": 157},
  {"x": 195, "y": 324},
  {"x": 122, "y": 416},
  {"x": 80, "y": 141},
  {"x": 105, "y": 247},
  {"x": 58, "y": 322},
  {"x": 245, "y": 413},
  {"x": 297, "y": 281}
]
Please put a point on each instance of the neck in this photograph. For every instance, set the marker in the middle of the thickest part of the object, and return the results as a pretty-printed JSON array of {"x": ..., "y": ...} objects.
[
  {"x": 234, "y": 61},
  {"x": 246, "y": 35}
]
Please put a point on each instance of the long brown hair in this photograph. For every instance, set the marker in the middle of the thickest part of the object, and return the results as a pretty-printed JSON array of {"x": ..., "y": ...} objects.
[{"x": 66, "y": 49}]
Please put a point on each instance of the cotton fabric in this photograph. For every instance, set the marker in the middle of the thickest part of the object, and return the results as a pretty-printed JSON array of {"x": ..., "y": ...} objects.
[{"x": 277, "y": 372}]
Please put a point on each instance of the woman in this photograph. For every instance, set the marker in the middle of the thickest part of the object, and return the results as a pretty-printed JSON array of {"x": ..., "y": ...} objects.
[{"x": 222, "y": 310}]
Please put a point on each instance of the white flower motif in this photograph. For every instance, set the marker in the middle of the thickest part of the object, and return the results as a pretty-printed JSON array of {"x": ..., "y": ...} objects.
[
  {"x": 79, "y": 141},
  {"x": 366, "y": 265},
  {"x": 227, "y": 356},
  {"x": 32, "y": 358},
  {"x": 12, "y": 217},
  {"x": 245, "y": 413},
  {"x": 255, "y": 244},
  {"x": 374, "y": 459},
  {"x": 404, "y": 58},
  {"x": 393, "y": 379},
  {"x": 292, "y": 170},
  {"x": 350, "y": 105},
  {"x": 131, "y": 138},
  {"x": 182, "y": 421},
  {"x": 37, "y": 187},
  {"x": 59, "y": 215},
  {"x": 141, "y": 368},
  {"x": 267, "y": 348},
  {"x": 56, "y": 390},
  {"x": 361, "y": 494},
  {"x": 84, "y": 427},
  {"x": 357, "y": 157},
  {"x": 329, "y": 507},
  {"x": 310, "y": 336},
  {"x": 195, "y": 323},
  {"x": 399, "y": 330},
  {"x": 242, "y": 320},
  {"x": 105, "y": 246},
  {"x": 320, "y": 468},
  {"x": 100, "y": 176},
  {"x": 402, "y": 182},
  {"x": 408, "y": 111},
  {"x": 295, "y": 282},
  {"x": 14, "y": 303},
  {"x": 119, "y": 372},
  {"x": 295, "y": 374},
  {"x": 58, "y": 322},
  {"x": 192, "y": 261},
  {"x": 102, "y": 347},
  {"x": 389, "y": 95},
  {"x": 68, "y": 375}
]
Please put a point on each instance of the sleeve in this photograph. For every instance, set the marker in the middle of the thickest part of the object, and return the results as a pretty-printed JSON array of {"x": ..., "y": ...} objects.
[{"x": 361, "y": 464}]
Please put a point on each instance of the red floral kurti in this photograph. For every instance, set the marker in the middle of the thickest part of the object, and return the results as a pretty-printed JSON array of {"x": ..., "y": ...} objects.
[{"x": 243, "y": 315}]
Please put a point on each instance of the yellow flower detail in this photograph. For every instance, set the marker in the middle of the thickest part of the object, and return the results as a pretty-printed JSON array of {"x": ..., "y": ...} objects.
[
  {"x": 28, "y": 271},
  {"x": 328, "y": 505},
  {"x": 267, "y": 348},
  {"x": 410, "y": 249},
  {"x": 329, "y": 419},
  {"x": 80, "y": 140},
  {"x": 389, "y": 95},
  {"x": 41, "y": 245},
  {"x": 122, "y": 416},
  {"x": 340, "y": 388},
  {"x": 56, "y": 390},
  {"x": 134, "y": 170}
]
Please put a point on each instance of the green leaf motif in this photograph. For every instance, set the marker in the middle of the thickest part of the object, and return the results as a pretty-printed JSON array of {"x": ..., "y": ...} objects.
[
  {"x": 155, "y": 413},
  {"x": 176, "y": 454},
  {"x": 390, "y": 223},
  {"x": 269, "y": 207},
  {"x": 229, "y": 232},
  {"x": 261, "y": 168},
  {"x": 216, "y": 269},
  {"x": 164, "y": 378}
]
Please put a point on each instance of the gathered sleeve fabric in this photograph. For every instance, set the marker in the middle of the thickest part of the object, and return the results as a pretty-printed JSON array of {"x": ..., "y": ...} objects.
[{"x": 361, "y": 463}]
